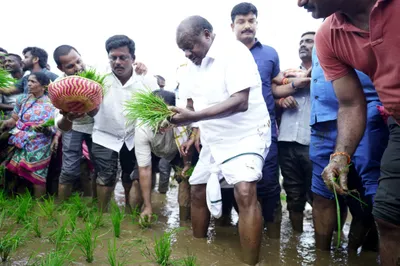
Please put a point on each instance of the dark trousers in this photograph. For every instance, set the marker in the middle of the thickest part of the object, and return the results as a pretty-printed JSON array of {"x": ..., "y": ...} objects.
[{"x": 296, "y": 169}]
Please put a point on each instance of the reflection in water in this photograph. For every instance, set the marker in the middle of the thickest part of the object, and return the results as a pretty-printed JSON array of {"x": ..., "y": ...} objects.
[{"x": 222, "y": 246}]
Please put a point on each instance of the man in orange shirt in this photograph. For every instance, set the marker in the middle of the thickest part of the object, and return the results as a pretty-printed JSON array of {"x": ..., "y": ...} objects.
[{"x": 363, "y": 34}]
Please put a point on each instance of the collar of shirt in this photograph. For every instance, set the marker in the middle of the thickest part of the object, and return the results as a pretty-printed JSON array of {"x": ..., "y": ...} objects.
[{"x": 257, "y": 44}]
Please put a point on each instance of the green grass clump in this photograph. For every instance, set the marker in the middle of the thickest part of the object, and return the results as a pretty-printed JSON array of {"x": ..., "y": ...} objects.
[
  {"x": 95, "y": 217},
  {"x": 92, "y": 74},
  {"x": 75, "y": 204},
  {"x": 116, "y": 218},
  {"x": 36, "y": 227},
  {"x": 3, "y": 217},
  {"x": 59, "y": 236},
  {"x": 10, "y": 242},
  {"x": 6, "y": 80},
  {"x": 148, "y": 109},
  {"x": 86, "y": 240}
]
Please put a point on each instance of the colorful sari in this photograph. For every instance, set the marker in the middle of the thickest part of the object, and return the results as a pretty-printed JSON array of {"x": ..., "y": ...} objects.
[{"x": 32, "y": 149}]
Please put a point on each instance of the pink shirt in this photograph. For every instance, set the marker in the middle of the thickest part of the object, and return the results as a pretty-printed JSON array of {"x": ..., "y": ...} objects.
[{"x": 341, "y": 47}]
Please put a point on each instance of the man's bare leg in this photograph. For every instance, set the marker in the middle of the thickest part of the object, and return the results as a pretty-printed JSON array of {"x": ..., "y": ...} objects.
[
  {"x": 389, "y": 242},
  {"x": 250, "y": 221},
  {"x": 199, "y": 211},
  {"x": 324, "y": 216}
]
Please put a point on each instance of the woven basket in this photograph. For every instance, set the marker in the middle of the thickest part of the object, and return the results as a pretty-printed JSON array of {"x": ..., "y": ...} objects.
[{"x": 75, "y": 94}]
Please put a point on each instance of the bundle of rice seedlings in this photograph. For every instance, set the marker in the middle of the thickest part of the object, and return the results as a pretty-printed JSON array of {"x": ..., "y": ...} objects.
[
  {"x": 178, "y": 174},
  {"x": 53, "y": 258},
  {"x": 59, "y": 236},
  {"x": 23, "y": 206},
  {"x": 48, "y": 123},
  {"x": 6, "y": 80},
  {"x": 148, "y": 109},
  {"x": 92, "y": 74},
  {"x": 47, "y": 208}
]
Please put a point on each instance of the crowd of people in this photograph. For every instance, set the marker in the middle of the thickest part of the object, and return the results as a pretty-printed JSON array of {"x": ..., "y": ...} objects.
[{"x": 329, "y": 126}]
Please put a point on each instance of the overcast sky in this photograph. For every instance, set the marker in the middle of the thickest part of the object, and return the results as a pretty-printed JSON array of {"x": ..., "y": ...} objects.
[{"x": 86, "y": 24}]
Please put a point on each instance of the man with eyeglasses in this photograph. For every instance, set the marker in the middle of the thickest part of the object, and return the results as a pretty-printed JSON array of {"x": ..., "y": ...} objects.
[{"x": 112, "y": 135}]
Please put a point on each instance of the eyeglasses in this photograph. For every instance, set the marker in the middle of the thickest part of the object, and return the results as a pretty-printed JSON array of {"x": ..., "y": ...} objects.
[{"x": 122, "y": 58}]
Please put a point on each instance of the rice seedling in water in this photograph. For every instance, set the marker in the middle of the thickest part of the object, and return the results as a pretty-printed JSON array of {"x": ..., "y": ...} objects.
[
  {"x": 112, "y": 254},
  {"x": 6, "y": 80},
  {"x": 53, "y": 258},
  {"x": 148, "y": 109},
  {"x": 59, "y": 236},
  {"x": 10, "y": 242},
  {"x": 3, "y": 216},
  {"x": 190, "y": 260},
  {"x": 95, "y": 217},
  {"x": 162, "y": 249},
  {"x": 37, "y": 229},
  {"x": 86, "y": 240},
  {"x": 47, "y": 208},
  {"x": 143, "y": 222},
  {"x": 75, "y": 204},
  {"x": 24, "y": 205},
  {"x": 73, "y": 216},
  {"x": 116, "y": 217}
]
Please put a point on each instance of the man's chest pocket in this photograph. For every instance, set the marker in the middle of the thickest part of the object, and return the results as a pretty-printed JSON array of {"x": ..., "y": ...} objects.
[{"x": 211, "y": 87}]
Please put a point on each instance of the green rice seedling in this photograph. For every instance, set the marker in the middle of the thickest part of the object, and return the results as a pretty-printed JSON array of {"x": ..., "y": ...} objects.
[
  {"x": 162, "y": 249},
  {"x": 112, "y": 254},
  {"x": 3, "y": 217},
  {"x": 75, "y": 204},
  {"x": 48, "y": 123},
  {"x": 95, "y": 217},
  {"x": 47, "y": 208},
  {"x": 59, "y": 236},
  {"x": 148, "y": 109},
  {"x": 189, "y": 260},
  {"x": 36, "y": 228},
  {"x": 10, "y": 242},
  {"x": 116, "y": 218},
  {"x": 143, "y": 222},
  {"x": 6, "y": 80},
  {"x": 92, "y": 74},
  {"x": 24, "y": 205},
  {"x": 73, "y": 216},
  {"x": 53, "y": 258},
  {"x": 86, "y": 240}
]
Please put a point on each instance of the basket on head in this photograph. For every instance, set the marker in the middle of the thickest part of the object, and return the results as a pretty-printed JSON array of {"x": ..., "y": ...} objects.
[{"x": 75, "y": 94}]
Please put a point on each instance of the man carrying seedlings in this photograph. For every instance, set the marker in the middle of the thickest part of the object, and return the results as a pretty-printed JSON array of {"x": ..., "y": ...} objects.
[
  {"x": 76, "y": 128},
  {"x": 151, "y": 147},
  {"x": 112, "y": 135},
  {"x": 363, "y": 173},
  {"x": 223, "y": 92},
  {"x": 363, "y": 34}
]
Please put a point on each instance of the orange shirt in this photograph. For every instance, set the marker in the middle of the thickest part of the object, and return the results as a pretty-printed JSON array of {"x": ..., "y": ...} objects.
[{"x": 341, "y": 46}]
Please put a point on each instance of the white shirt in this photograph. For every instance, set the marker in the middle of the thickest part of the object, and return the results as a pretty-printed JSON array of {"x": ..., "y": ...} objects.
[
  {"x": 163, "y": 145},
  {"x": 111, "y": 128},
  {"x": 228, "y": 68}
]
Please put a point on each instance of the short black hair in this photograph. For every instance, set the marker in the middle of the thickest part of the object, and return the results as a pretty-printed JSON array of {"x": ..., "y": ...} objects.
[
  {"x": 43, "y": 79},
  {"x": 118, "y": 41},
  {"x": 308, "y": 32},
  {"x": 39, "y": 53},
  {"x": 61, "y": 51},
  {"x": 3, "y": 50},
  {"x": 243, "y": 9},
  {"x": 167, "y": 96},
  {"x": 19, "y": 59},
  {"x": 196, "y": 25},
  {"x": 160, "y": 77}
]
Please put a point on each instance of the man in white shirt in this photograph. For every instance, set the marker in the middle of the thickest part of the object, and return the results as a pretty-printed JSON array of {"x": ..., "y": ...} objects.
[
  {"x": 223, "y": 86},
  {"x": 112, "y": 134}
]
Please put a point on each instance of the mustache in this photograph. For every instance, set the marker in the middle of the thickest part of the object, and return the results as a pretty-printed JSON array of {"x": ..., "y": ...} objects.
[{"x": 247, "y": 30}]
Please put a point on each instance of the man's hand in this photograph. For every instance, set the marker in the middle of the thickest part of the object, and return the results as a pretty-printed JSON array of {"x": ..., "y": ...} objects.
[
  {"x": 301, "y": 82},
  {"x": 43, "y": 130},
  {"x": 289, "y": 103},
  {"x": 185, "y": 169},
  {"x": 335, "y": 174},
  {"x": 140, "y": 68},
  {"x": 185, "y": 147},
  {"x": 71, "y": 116},
  {"x": 182, "y": 116},
  {"x": 54, "y": 145},
  {"x": 145, "y": 216}
]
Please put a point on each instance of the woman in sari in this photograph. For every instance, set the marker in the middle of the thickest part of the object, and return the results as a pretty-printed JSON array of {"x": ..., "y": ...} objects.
[{"x": 31, "y": 141}]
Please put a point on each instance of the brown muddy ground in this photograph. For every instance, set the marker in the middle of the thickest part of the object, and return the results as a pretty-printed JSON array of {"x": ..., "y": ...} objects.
[{"x": 221, "y": 248}]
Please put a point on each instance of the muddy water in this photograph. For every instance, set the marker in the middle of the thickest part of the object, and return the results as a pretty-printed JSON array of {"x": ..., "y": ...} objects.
[{"x": 220, "y": 248}]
